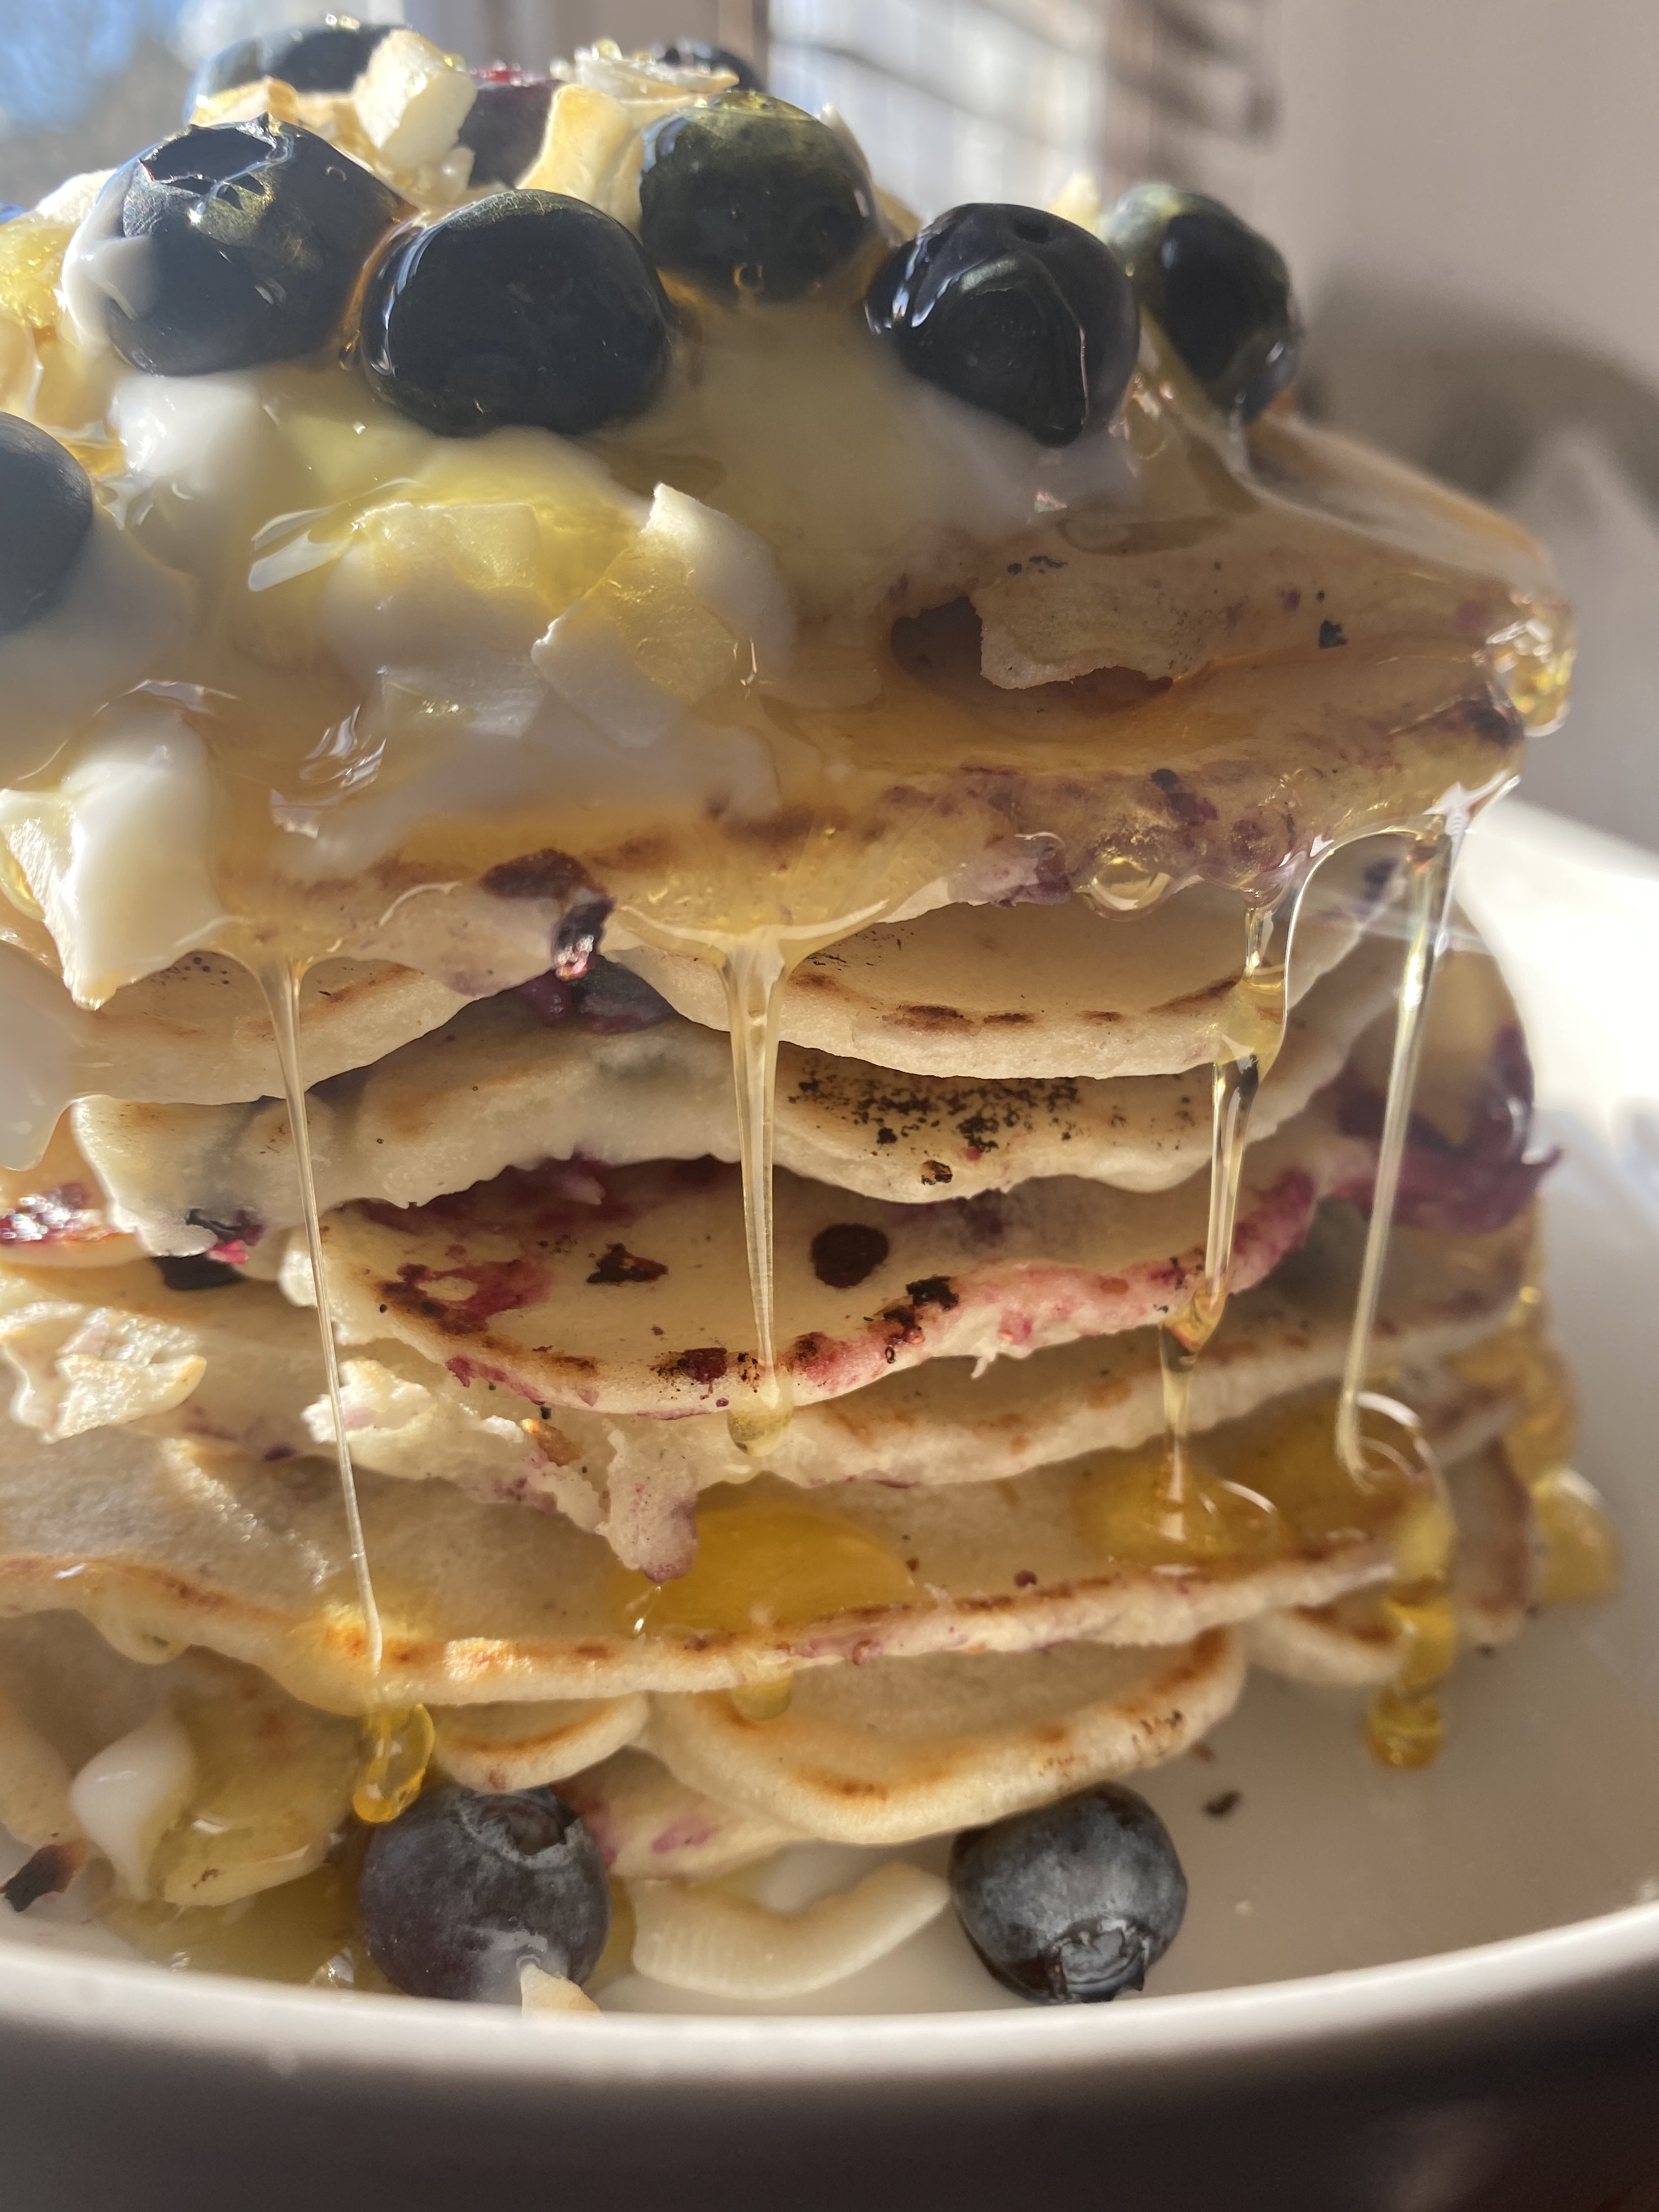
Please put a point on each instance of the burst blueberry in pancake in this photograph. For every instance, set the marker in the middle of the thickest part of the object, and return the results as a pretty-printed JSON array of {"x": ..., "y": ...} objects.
[{"x": 708, "y": 1061}]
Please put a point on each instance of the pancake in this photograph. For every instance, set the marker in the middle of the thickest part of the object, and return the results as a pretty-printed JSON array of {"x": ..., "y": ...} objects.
[
  {"x": 626, "y": 1292},
  {"x": 1496, "y": 1583},
  {"x": 876, "y": 1754},
  {"x": 633, "y": 1480},
  {"x": 649, "y": 1824},
  {"x": 1072, "y": 600},
  {"x": 191, "y": 1543},
  {"x": 897, "y": 1749},
  {"x": 1032, "y": 992},
  {"x": 198, "y": 1031},
  {"x": 496, "y": 1087},
  {"x": 521, "y": 1747}
]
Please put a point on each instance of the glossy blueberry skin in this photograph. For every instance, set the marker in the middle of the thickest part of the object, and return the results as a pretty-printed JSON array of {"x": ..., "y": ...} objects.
[
  {"x": 257, "y": 234},
  {"x": 523, "y": 307},
  {"x": 506, "y": 123},
  {"x": 1072, "y": 1903},
  {"x": 699, "y": 53},
  {"x": 1219, "y": 290},
  {"x": 461, "y": 1889},
  {"x": 45, "y": 500},
  {"x": 327, "y": 56},
  {"x": 748, "y": 197},
  {"x": 1017, "y": 311}
]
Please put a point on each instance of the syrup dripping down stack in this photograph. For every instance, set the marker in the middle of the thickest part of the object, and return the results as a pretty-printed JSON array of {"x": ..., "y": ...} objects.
[{"x": 777, "y": 1457}]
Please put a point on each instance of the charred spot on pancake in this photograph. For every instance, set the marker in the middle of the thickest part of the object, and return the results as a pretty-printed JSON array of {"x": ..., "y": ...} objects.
[
  {"x": 1187, "y": 807},
  {"x": 1330, "y": 633},
  {"x": 618, "y": 1264},
  {"x": 194, "y": 1271},
  {"x": 903, "y": 1319},
  {"x": 705, "y": 1364},
  {"x": 935, "y": 1171},
  {"x": 847, "y": 1253},
  {"x": 1225, "y": 1801}
]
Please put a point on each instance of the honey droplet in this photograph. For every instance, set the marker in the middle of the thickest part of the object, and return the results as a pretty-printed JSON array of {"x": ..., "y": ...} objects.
[
  {"x": 397, "y": 1751},
  {"x": 758, "y": 1424},
  {"x": 767, "y": 1700},
  {"x": 1581, "y": 1550},
  {"x": 768, "y": 1565},
  {"x": 1404, "y": 1732},
  {"x": 298, "y": 1932},
  {"x": 1120, "y": 886},
  {"x": 1140, "y": 1507},
  {"x": 31, "y": 249},
  {"x": 1403, "y": 1725},
  {"x": 1581, "y": 1546}
]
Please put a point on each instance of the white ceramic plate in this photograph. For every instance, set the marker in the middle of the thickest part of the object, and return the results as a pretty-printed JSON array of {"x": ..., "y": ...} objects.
[{"x": 1285, "y": 2057}]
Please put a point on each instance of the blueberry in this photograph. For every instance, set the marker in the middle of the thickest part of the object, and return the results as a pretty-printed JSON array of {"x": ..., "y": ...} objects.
[
  {"x": 523, "y": 307},
  {"x": 328, "y": 55},
  {"x": 1072, "y": 1903},
  {"x": 1017, "y": 311},
  {"x": 745, "y": 195},
  {"x": 10, "y": 210},
  {"x": 462, "y": 1889},
  {"x": 506, "y": 123},
  {"x": 46, "y": 497},
  {"x": 255, "y": 236},
  {"x": 1218, "y": 290},
  {"x": 698, "y": 53}
]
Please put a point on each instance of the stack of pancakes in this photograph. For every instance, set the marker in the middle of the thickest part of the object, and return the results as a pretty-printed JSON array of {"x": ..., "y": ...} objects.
[
  {"x": 917, "y": 1612},
  {"x": 492, "y": 740}
]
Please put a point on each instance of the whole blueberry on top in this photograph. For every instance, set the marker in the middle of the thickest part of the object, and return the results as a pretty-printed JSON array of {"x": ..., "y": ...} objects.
[
  {"x": 523, "y": 307},
  {"x": 747, "y": 197},
  {"x": 1015, "y": 311},
  {"x": 327, "y": 56},
  {"x": 45, "y": 512},
  {"x": 253, "y": 238},
  {"x": 1072, "y": 1903},
  {"x": 462, "y": 1888},
  {"x": 699, "y": 53},
  {"x": 505, "y": 125},
  {"x": 1219, "y": 290}
]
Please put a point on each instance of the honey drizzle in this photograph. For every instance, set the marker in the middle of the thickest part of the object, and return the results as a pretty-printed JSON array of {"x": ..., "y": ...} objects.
[
  {"x": 753, "y": 969},
  {"x": 397, "y": 1750},
  {"x": 1404, "y": 1727},
  {"x": 1187, "y": 1499},
  {"x": 279, "y": 980}
]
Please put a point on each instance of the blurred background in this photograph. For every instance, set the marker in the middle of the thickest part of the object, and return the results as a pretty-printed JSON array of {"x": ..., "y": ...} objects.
[{"x": 1467, "y": 190}]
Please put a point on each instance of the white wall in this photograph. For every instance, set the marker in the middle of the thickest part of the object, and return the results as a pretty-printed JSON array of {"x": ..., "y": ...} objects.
[{"x": 1504, "y": 153}]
